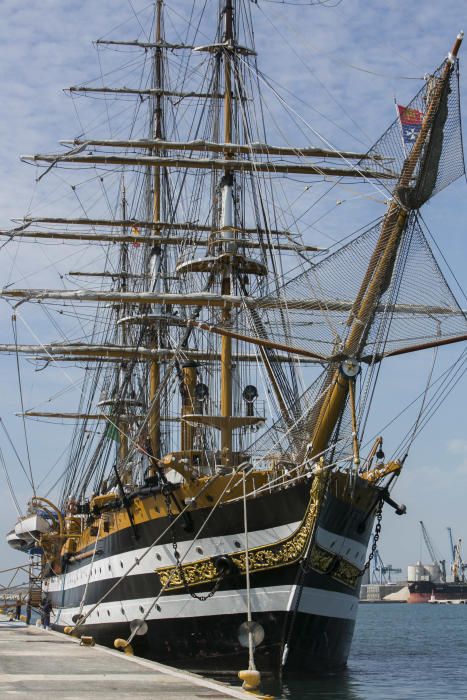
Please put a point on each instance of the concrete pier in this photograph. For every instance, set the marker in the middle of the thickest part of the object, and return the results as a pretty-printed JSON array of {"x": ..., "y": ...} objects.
[{"x": 40, "y": 664}]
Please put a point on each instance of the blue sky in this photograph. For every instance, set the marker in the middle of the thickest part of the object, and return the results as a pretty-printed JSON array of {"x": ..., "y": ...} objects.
[{"x": 346, "y": 64}]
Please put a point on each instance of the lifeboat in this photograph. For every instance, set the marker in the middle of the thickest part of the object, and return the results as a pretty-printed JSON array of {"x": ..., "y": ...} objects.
[
  {"x": 16, "y": 542},
  {"x": 31, "y": 528}
]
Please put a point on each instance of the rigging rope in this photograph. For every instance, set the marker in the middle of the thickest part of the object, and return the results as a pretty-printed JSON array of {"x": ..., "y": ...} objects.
[
  {"x": 20, "y": 386},
  {"x": 9, "y": 484},
  {"x": 181, "y": 514},
  {"x": 13, "y": 447},
  {"x": 193, "y": 541},
  {"x": 81, "y": 605},
  {"x": 251, "y": 655}
]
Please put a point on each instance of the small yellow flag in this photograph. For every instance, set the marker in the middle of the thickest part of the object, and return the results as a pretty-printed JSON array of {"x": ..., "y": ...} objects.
[{"x": 135, "y": 232}]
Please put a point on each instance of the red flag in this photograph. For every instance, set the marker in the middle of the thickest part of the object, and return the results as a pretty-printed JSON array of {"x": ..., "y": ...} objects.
[{"x": 411, "y": 123}]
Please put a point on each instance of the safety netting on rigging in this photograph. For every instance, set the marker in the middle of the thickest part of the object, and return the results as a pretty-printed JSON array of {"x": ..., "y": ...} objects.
[
  {"x": 313, "y": 312},
  {"x": 287, "y": 440},
  {"x": 441, "y": 161}
]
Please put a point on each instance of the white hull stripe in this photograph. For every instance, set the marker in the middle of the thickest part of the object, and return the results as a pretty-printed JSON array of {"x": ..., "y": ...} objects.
[
  {"x": 163, "y": 555},
  {"x": 350, "y": 550},
  {"x": 313, "y": 601}
]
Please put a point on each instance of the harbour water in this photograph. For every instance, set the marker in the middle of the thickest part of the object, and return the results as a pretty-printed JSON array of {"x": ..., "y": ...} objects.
[{"x": 399, "y": 652}]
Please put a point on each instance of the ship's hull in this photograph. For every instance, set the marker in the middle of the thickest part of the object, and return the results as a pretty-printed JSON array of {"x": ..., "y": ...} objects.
[
  {"x": 428, "y": 591},
  {"x": 307, "y": 608},
  {"x": 209, "y": 645}
]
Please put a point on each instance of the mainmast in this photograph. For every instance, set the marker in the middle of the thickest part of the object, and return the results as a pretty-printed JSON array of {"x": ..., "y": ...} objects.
[
  {"x": 227, "y": 235},
  {"x": 124, "y": 379},
  {"x": 155, "y": 258}
]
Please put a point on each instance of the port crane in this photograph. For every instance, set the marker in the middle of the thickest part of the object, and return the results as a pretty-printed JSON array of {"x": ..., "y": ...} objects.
[
  {"x": 457, "y": 567},
  {"x": 431, "y": 550},
  {"x": 380, "y": 570}
]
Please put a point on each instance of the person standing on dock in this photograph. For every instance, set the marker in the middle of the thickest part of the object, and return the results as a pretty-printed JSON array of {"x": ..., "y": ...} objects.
[
  {"x": 18, "y": 609},
  {"x": 46, "y": 609}
]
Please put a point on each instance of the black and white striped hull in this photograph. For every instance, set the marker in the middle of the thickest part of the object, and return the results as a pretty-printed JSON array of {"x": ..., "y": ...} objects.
[{"x": 308, "y": 616}]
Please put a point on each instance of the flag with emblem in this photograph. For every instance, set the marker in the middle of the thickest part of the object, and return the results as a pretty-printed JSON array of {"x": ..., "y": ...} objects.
[{"x": 411, "y": 123}]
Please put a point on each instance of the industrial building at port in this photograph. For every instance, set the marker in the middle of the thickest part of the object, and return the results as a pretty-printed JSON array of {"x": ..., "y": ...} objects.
[{"x": 424, "y": 582}]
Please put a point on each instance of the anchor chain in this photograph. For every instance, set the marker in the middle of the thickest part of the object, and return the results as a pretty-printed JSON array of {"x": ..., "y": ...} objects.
[
  {"x": 374, "y": 546},
  {"x": 179, "y": 565}
]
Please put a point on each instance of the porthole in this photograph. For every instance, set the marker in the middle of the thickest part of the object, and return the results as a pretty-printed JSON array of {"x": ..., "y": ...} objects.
[
  {"x": 237, "y": 544},
  {"x": 158, "y": 557},
  {"x": 199, "y": 550},
  {"x": 348, "y": 551},
  {"x": 97, "y": 613},
  {"x": 209, "y": 498},
  {"x": 333, "y": 544},
  {"x": 122, "y": 611},
  {"x": 110, "y": 568},
  {"x": 141, "y": 609},
  {"x": 158, "y": 608},
  {"x": 108, "y": 613},
  {"x": 121, "y": 564}
]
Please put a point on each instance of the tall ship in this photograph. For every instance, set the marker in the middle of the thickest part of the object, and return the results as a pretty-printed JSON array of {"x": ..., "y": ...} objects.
[{"x": 220, "y": 490}]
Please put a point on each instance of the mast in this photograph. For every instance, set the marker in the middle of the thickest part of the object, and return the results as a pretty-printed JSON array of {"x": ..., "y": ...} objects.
[
  {"x": 122, "y": 331},
  {"x": 227, "y": 235},
  {"x": 155, "y": 258}
]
